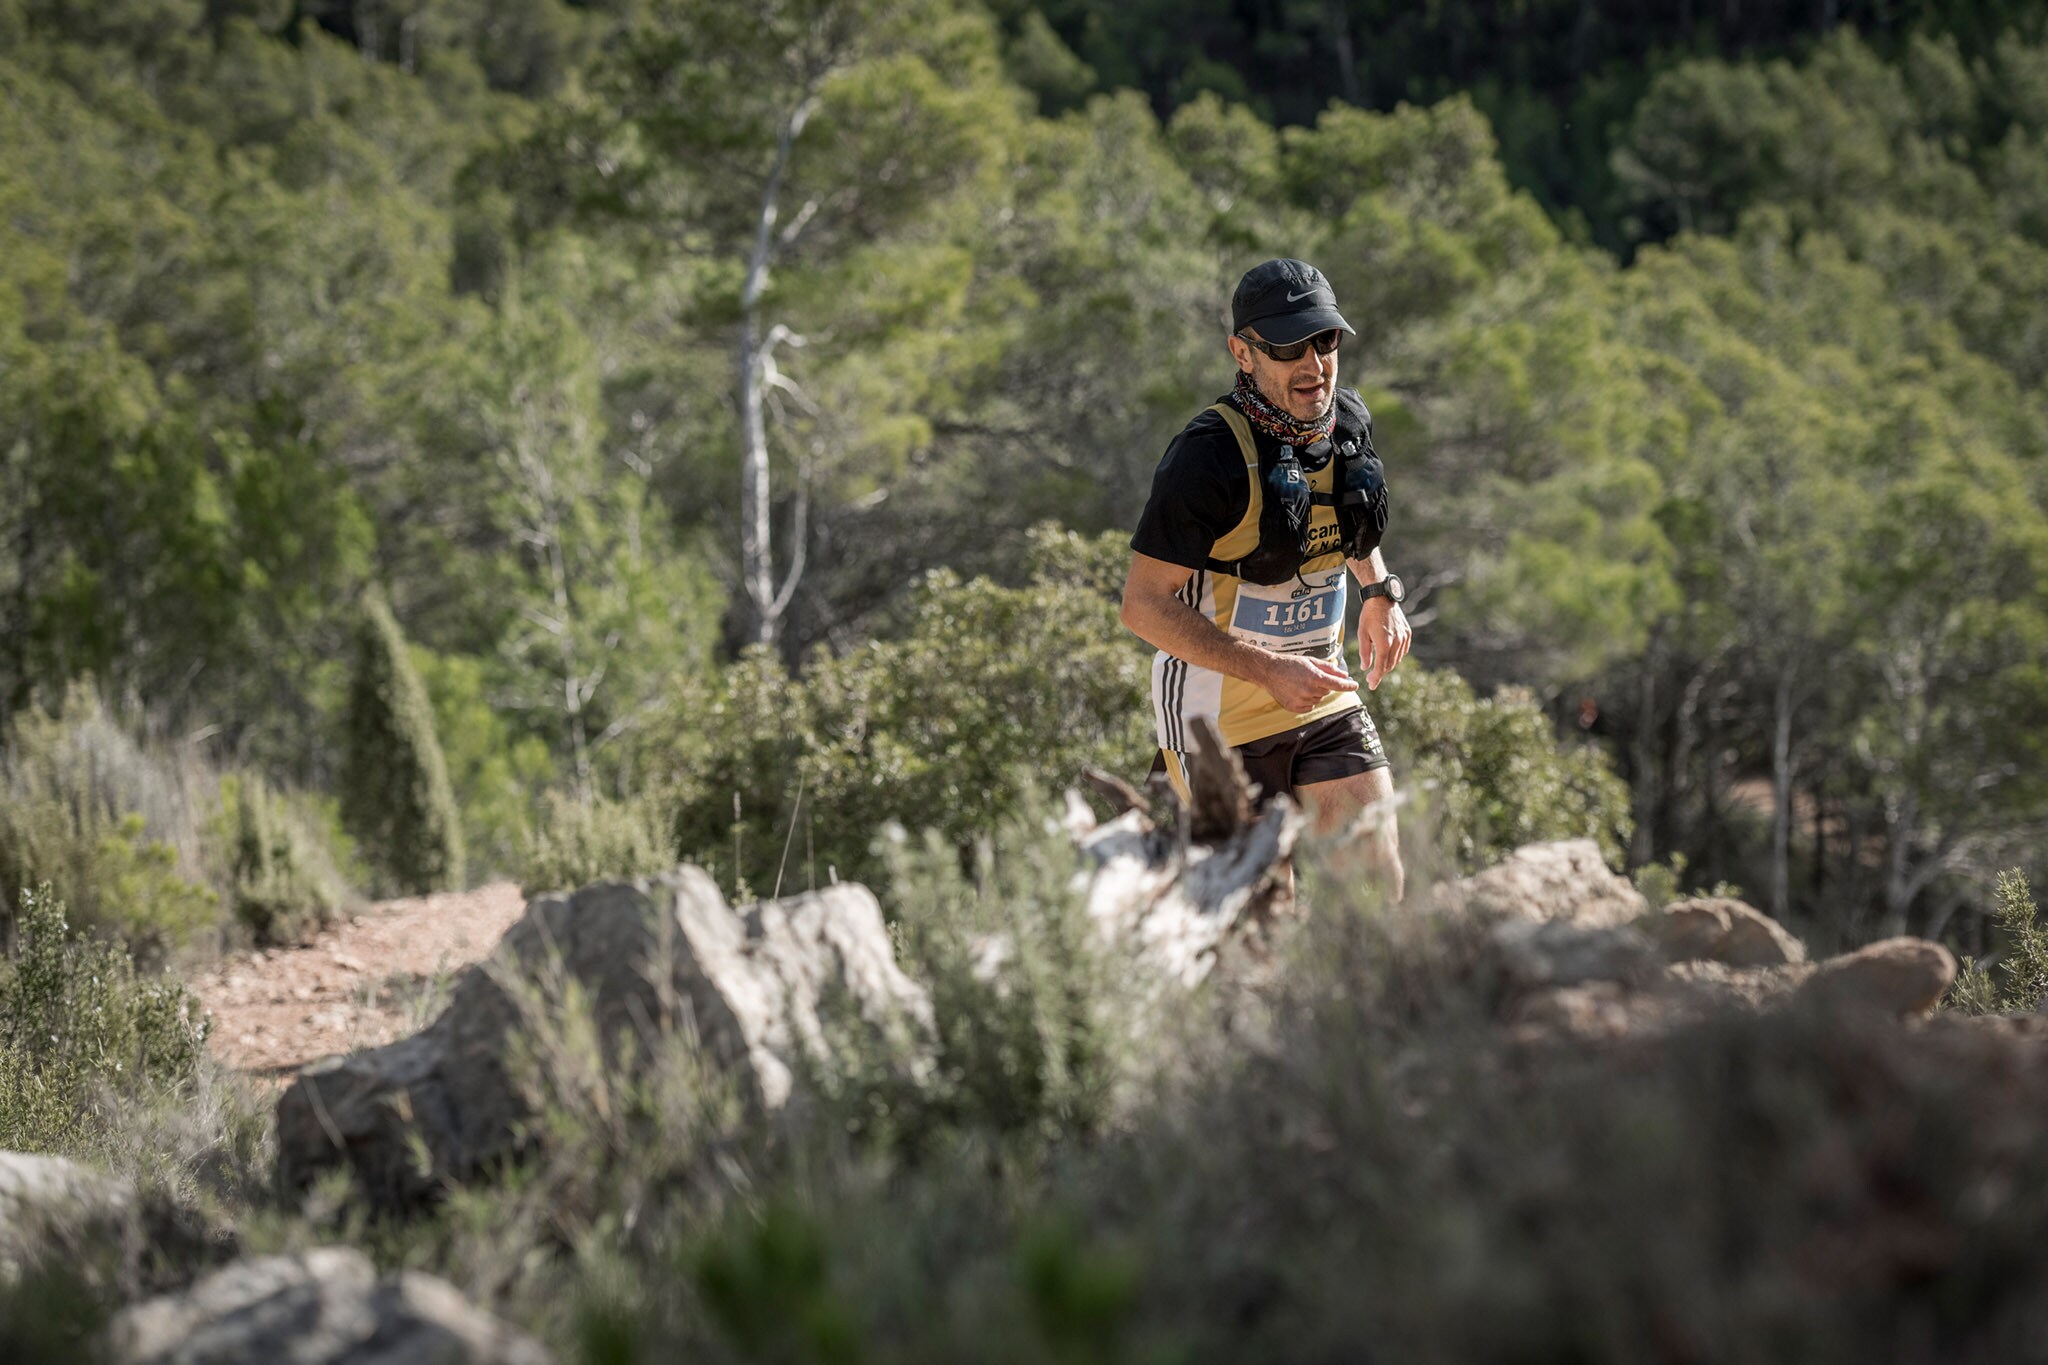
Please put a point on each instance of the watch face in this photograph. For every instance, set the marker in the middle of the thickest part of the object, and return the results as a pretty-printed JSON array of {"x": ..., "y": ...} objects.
[{"x": 1396, "y": 589}]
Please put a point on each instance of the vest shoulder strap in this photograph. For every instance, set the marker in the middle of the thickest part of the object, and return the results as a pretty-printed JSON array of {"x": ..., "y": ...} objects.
[{"x": 1242, "y": 429}]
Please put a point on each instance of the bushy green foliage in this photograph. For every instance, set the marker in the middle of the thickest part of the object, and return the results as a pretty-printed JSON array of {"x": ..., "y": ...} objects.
[
  {"x": 115, "y": 828},
  {"x": 493, "y": 768},
  {"x": 283, "y": 868},
  {"x": 1035, "y": 1031},
  {"x": 573, "y": 844},
  {"x": 992, "y": 693},
  {"x": 945, "y": 723},
  {"x": 77, "y": 1024},
  {"x": 2017, "y": 981},
  {"x": 395, "y": 795},
  {"x": 1491, "y": 773}
]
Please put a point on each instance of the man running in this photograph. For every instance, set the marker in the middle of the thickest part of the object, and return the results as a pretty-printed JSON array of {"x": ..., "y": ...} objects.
[{"x": 1238, "y": 566}]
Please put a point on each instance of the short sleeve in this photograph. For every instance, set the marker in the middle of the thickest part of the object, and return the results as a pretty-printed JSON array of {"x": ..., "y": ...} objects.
[{"x": 1199, "y": 492}]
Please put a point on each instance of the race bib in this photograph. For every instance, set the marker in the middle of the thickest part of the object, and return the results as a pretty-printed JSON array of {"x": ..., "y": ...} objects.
[{"x": 1294, "y": 617}]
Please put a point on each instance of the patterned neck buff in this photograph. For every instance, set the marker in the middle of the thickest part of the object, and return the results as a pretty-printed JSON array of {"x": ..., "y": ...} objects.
[{"x": 1276, "y": 422}]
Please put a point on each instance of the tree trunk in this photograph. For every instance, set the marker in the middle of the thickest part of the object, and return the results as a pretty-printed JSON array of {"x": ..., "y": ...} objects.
[
  {"x": 1678, "y": 780},
  {"x": 1347, "y": 58},
  {"x": 757, "y": 565},
  {"x": 1643, "y": 758},
  {"x": 757, "y": 550},
  {"x": 1898, "y": 887},
  {"x": 1781, "y": 794},
  {"x": 572, "y": 677}
]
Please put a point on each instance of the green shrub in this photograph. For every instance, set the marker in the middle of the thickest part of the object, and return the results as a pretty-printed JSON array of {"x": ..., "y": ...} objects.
[
  {"x": 395, "y": 797},
  {"x": 983, "y": 693},
  {"x": 1034, "y": 1013},
  {"x": 573, "y": 844},
  {"x": 979, "y": 694},
  {"x": 2017, "y": 981},
  {"x": 492, "y": 771},
  {"x": 282, "y": 873},
  {"x": 1494, "y": 771},
  {"x": 77, "y": 1023},
  {"x": 113, "y": 827}
]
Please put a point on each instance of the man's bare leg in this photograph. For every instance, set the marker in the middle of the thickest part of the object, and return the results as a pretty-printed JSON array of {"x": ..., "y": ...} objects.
[{"x": 1336, "y": 804}]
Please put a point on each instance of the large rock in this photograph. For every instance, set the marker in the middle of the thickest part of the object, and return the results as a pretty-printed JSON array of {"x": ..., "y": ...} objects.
[
  {"x": 325, "y": 1307},
  {"x": 1897, "y": 976},
  {"x": 751, "y": 982},
  {"x": 1716, "y": 929},
  {"x": 1567, "y": 880},
  {"x": 50, "y": 1204},
  {"x": 1529, "y": 955}
]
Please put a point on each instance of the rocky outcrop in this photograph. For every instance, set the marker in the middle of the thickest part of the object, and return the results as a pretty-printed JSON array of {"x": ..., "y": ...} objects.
[
  {"x": 1567, "y": 881},
  {"x": 1717, "y": 929},
  {"x": 324, "y": 1307},
  {"x": 1533, "y": 954},
  {"x": 1571, "y": 951},
  {"x": 1899, "y": 977},
  {"x": 750, "y": 982}
]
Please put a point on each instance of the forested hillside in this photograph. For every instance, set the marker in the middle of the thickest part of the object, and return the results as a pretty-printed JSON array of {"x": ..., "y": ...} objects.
[
  {"x": 608, "y": 342},
  {"x": 521, "y": 445}
]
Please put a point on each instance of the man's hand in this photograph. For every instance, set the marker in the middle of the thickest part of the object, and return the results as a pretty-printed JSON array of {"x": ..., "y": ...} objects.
[
  {"x": 1383, "y": 637},
  {"x": 1300, "y": 683}
]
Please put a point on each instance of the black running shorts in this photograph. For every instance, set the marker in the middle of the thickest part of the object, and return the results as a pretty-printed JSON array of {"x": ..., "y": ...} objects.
[{"x": 1343, "y": 745}]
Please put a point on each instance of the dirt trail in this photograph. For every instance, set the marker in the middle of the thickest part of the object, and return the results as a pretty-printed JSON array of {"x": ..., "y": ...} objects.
[{"x": 369, "y": 980}]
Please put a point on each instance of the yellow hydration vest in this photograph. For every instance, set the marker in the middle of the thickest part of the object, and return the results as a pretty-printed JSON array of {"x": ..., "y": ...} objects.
[{"x": 1302, "y": 616}]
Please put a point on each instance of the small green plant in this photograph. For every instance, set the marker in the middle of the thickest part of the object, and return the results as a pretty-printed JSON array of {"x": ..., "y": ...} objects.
[
  {"x": 110, "y": 824},
  {"x": 2016, "y": 981},
  {"x": 974, "y": 695},
  {"x": 1033, "y": 1022},
  {"x": 284, "y": 878},
  {"x": 77, "y": 1024},
  {"x": 1659, "y": 883}
]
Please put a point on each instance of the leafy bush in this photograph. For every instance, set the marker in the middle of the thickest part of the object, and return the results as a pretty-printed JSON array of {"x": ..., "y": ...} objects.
[
  {"x": 1034, "y": 1016},
  {"x": 987, "y": 693},
  {"x": 980, "y": 693},
  {"x": 1494, "y": 773},
  {"x": 282, "y": 871},
  {"x": 492, "y": 771},
  {"x": 77, "y": 1023},
  {"x": 114, "y": 828},
  {"x": 2017, "y": 981},
  {"x": 574, "y": 844},
  {"x": 395, "y": 795}
]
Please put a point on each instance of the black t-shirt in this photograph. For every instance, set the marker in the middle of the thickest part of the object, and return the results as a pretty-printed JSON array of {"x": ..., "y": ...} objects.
[{"x": 1200, "y": 489}]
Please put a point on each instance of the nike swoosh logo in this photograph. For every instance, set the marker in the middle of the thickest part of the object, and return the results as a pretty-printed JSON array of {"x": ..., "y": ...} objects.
[{"x": 1296, "y": 298}]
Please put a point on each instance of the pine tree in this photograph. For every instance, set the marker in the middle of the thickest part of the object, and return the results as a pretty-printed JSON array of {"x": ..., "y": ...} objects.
[{"x": 395, "y": 797}]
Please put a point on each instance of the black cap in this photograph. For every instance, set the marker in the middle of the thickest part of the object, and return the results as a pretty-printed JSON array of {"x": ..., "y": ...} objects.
[{"x": 1285, "y": 301}]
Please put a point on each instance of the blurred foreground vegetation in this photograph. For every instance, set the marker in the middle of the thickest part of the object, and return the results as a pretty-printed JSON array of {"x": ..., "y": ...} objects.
[{"x": 1352, "y": 1160}]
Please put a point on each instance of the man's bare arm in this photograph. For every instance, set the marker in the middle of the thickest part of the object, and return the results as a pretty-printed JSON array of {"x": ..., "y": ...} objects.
[{"x": 1156, "y": 616}]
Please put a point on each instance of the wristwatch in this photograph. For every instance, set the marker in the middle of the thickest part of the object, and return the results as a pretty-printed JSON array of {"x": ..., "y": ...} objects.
[{"x": 1388, "y": 587}]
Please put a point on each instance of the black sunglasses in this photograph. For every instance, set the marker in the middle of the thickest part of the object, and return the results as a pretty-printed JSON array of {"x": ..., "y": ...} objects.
[{"x": 1324, "y": 342}]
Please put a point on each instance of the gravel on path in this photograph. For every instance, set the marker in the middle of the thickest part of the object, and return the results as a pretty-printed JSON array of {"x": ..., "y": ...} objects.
[{"x": 371, "y": 979}]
